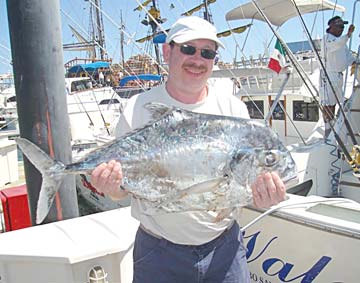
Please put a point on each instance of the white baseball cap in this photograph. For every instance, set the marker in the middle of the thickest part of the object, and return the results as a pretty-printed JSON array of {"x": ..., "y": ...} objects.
[{"x": 191, "y": 28}]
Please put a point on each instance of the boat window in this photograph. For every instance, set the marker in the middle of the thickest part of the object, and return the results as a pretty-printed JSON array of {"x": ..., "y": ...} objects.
[
  {"x": 80, "y": 85},
  {"x": 305, "y": 111},
  {"x": 255, "y": 108},
  {"x": 278, "y": 113},
  {"x": 342, "y": 213},
  {"x": 244, "y": 82},
  {"x": 109, "y": 101}
]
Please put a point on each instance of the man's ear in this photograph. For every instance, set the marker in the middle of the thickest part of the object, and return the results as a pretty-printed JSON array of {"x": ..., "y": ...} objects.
[{"x": 166, "y": 52}]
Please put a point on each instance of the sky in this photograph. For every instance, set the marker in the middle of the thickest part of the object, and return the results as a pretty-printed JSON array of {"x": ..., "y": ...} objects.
[{"x": 258, "y": 41}]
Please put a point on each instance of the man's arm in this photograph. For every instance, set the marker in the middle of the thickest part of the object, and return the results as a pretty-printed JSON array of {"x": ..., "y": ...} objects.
[{"x": 335, "y": 44}]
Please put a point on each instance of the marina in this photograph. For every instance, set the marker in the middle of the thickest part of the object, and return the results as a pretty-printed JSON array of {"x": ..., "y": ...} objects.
[{"x": 312, "y": 236}]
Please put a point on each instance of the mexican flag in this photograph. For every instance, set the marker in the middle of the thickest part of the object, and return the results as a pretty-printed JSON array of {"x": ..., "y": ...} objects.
[{"x": 277, "y": 59}]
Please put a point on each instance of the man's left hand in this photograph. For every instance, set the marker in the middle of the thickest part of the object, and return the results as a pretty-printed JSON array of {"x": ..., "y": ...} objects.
[{"x": 268, "y": 190}]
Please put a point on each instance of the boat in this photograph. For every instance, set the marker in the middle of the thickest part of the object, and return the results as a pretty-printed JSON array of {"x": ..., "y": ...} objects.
[
  {"x": 93, "y": 110},
  {"x": 313, "y": 236}
]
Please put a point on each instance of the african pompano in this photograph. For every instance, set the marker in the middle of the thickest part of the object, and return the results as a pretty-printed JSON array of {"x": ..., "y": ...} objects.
[{"x": 179, "y": 161}]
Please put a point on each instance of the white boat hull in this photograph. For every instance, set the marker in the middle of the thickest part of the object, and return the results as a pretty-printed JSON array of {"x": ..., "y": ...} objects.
[{"x": 299, "y": 245}]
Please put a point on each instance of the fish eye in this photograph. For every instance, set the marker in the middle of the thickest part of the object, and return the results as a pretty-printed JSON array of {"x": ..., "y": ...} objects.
[{"x": 271, "y": 158}]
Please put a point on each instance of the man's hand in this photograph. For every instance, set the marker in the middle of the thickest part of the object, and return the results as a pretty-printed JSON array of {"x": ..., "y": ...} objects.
[
  {"x": 353, "y": 66},
  {"x": 350, "y": 30},
  {"x": 268, "y": 190},
  {"x": 107, "y": 178}
]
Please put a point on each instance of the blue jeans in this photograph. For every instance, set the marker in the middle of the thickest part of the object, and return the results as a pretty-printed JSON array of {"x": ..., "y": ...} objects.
[{"x": 220, "y": 260}]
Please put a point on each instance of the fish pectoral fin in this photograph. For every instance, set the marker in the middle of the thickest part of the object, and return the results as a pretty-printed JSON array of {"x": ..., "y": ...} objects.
[
  {"x": 223, "y": 213},
  {"x": 203, "y": 187}
]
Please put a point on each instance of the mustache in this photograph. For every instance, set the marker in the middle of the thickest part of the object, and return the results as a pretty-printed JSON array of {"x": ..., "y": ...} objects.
[{"x": 195, "y": 66}]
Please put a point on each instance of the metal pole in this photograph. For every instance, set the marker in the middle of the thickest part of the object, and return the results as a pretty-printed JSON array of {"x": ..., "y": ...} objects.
[
  {"x": 35, "y": 34},
  {"x": 277, "y": 98}
]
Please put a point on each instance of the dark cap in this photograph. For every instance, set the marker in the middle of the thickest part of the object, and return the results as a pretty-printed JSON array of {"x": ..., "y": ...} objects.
[{"x": 335, "y": 19}]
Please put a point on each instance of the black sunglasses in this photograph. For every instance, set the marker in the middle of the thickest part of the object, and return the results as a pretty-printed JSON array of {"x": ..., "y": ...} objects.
[{"x": 191, "y": 50}]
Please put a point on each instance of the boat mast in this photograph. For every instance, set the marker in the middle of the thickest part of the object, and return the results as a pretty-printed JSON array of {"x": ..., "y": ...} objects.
[
  {"x": 122, "y": 26},
  {"x": 207, "y": 13},
  {"x": 98, "y": 32}
]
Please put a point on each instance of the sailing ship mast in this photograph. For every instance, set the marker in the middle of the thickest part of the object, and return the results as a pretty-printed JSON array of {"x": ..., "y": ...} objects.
[
  {"x": 153, "y": 22},
  {"x": 207, "y": 13},
  {"x": 97, "y": 27}
]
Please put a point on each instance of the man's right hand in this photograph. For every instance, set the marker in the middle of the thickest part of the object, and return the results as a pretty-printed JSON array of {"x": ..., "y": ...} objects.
[
  {"x": 350, "y": 30},
  {"x": 107, "y": 178}
]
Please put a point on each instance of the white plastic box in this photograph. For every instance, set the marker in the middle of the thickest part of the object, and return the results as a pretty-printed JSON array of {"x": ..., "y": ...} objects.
[{"x": 67, "y": 251}]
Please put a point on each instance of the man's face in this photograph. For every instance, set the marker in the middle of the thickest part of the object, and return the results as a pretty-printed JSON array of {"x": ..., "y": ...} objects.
[
  {"x": 337, "y": 28},
  {"x": 189, "y": 73}
]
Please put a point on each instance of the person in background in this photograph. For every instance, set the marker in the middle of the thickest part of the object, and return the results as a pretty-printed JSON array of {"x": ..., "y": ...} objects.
[
  {"x": 108, "y": 80},
  {"x": 187, "y": 246},
  {"x": 101, "y": 78},
  {"x": 336, "y": 58}
]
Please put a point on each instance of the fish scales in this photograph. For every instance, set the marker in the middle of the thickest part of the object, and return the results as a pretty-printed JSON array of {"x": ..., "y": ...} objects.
[{"x": 183, "y": 160}]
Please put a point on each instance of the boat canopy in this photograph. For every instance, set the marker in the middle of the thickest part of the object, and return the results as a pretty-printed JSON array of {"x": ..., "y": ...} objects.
[
  {"x": 90, "y": 68},
  {"x": 160, "y": 38},
  {"x": 144, "y": 77},
  {"x": 271, "y": 9}
]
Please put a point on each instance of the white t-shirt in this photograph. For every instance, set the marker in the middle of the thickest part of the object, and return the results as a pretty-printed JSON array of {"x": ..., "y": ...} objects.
[{"x": 190, "y": 228}]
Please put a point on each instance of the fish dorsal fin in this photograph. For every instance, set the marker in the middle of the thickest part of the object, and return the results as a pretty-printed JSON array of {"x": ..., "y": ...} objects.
[{"x": 157, "y": 110}]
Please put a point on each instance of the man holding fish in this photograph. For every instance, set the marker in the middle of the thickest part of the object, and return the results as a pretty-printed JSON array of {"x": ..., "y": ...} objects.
[{"x": 189, "y": 246}]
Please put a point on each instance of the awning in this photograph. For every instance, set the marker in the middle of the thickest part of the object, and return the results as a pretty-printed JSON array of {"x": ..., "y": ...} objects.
[
  {"x": 144, "y": 77},
  {"x": 272, "y": 8},
  {"x": 91, "y": 67}
]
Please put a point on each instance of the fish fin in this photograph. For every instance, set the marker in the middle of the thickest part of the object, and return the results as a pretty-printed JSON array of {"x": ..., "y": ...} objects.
[
  {"x": 51, "y": 172},
  {"x": 157, "y": 110},
  {"x": 202, "y": 187},
  {"x": 49, "y": 187},
  {"x": 223, "y": 213}
]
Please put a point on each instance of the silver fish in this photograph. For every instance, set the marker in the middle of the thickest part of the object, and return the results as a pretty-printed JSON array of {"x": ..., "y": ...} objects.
[{"x": 179, "y": 161}]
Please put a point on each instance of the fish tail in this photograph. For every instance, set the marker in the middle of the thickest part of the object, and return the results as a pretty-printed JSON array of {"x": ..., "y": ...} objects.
[{"x": 52, "y": 173}]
